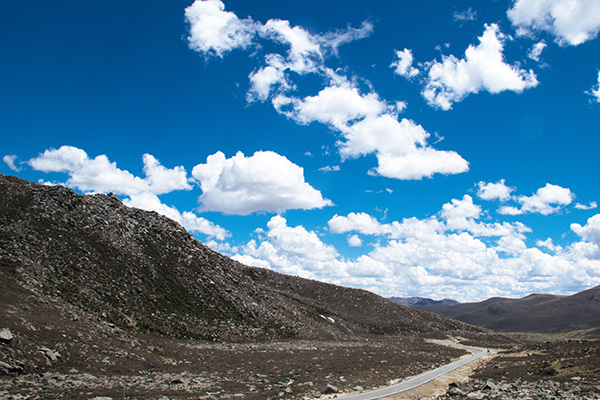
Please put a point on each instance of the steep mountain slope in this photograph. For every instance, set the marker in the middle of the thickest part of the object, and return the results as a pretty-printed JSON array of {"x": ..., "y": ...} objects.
[
  {"x": 541, "y": 313},
  {"x": 144, "y": 272}
]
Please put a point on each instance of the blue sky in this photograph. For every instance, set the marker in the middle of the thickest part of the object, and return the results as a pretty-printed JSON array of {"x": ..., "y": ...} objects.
[{"x": 439, "y": 149}]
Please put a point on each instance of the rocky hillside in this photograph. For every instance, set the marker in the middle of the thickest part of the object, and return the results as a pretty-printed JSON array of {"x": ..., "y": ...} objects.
[
  {"x": 577, "y": 315},
  {"x": 143, "y": 272}
]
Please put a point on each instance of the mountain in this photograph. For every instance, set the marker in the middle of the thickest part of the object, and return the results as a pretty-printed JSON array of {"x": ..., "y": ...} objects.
[
  {"x": 421, "y": 301},
  {"x": 537, "y": 313},
  {"x": 144, "y": 272}
]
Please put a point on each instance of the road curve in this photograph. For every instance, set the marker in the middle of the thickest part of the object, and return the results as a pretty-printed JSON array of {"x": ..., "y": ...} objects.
[{"x": 417, "y": 380}]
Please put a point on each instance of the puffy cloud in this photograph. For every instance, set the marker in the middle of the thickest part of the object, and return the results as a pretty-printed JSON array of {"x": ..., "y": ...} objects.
[
  {"x": 595, "y": 91},
  {"x": 494, "y": 191},
  {"x": 10, "y": 161},
  {"x": 572, "y": 22},
  {"x": 369, "y": 126},
  {"x": 589, "y": 232},
  {"x": 354, "y": 241},
  {"x": 335, "y": 106},
  {"x": 293, "y": 250},
  {"x": 359, "y": 222},
  {"x": 483, "y": 68},
  {"x": 433, "y": 257},
  {"x": 541, "y": 202},
  {"x": 216, "y": 31},
  {"x": 164, "y": 180},
  {"x": 265, "y": 181},
  {"x": 102, "y": 176},
  {"x": 458, "y": 213},
  {"x": 403, "y": 65}
]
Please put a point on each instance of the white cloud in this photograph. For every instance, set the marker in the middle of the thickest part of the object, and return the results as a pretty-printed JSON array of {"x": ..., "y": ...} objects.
[
  {"x": 483, "y": 68},
  {"x": 590, "y": 206},
  {"x": 369, "y": 126},
  {"x": 595, "y": 91},
  {"x": 354, "y": 241},
  {"x": 433, "y": 257},
  {"x": 542, "y": 201},
  {"x": 494, "y": 191},
  {"x": 590, "y": 233},
  {"x": 572, "y": 22},
  {"x": 335, "y": 106},
  {"x": 536, "y": 51},
  {"x": 99, "y": 175},
  {"x": 359, "y": 222},
  {"x": 10, "y": 161},
  {"x": 216, "y": 31},
  {"x": 293, "y": 250},
  {"x": 265, "y": 181},
  {"x": 333, "y": 40},
  {"x": 466, "y": 15},
  {"x": 403, "y": 65},
  {"x": 328, "y": 168}
]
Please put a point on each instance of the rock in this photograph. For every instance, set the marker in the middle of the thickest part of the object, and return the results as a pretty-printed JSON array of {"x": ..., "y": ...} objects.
[
  {"x": 476, "y": 395},
  {"x": 209, "y": 397},
  {"x": 102, "y": 398},
  {"x": 455, "y": 392},
  {"x": 6, "y": 336},
  {"x": 330, "y": 389},
  {"x": 52, "y": 355}
]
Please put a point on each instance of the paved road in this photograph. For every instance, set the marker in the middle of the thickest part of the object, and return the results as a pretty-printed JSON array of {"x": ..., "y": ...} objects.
[{"x": 417, "y": 380}]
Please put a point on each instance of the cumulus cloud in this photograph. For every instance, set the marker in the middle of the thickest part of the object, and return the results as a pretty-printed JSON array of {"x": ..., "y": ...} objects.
[
  {"x": 370, "y": 126},
  {"x": 451, "y": 254},
  {"x": 99, "y": 175},
  {"x": 216, "y": 31},
  {"x": 403, "y": 65},
  {"x": 483, "y": 68},
  {"x": 589, "y": 232},
  {"x": 494, "y": 191},
  {"x": 546, "y": 200},
  {"x": 292, "y": 250},
  {"x": 10, "y": 161},
  {"x": 354, "y": 241},
  {"x": 265, "y": 181},
  {"x": 572, "y": 22},
  {"x": 594, "y": 91}
]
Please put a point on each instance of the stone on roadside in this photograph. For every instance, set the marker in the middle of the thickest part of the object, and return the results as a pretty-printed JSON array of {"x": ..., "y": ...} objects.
[{"x": 330, "y": 389}]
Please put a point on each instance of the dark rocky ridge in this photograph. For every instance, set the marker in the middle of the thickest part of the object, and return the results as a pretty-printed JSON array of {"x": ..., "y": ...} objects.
[{"x": 144, "y": 272}]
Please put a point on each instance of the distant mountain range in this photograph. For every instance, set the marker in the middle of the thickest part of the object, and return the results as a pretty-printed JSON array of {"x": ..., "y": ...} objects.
[
  {"x": 578, "y": 314},
  {"x": 421, "y": 301}
]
